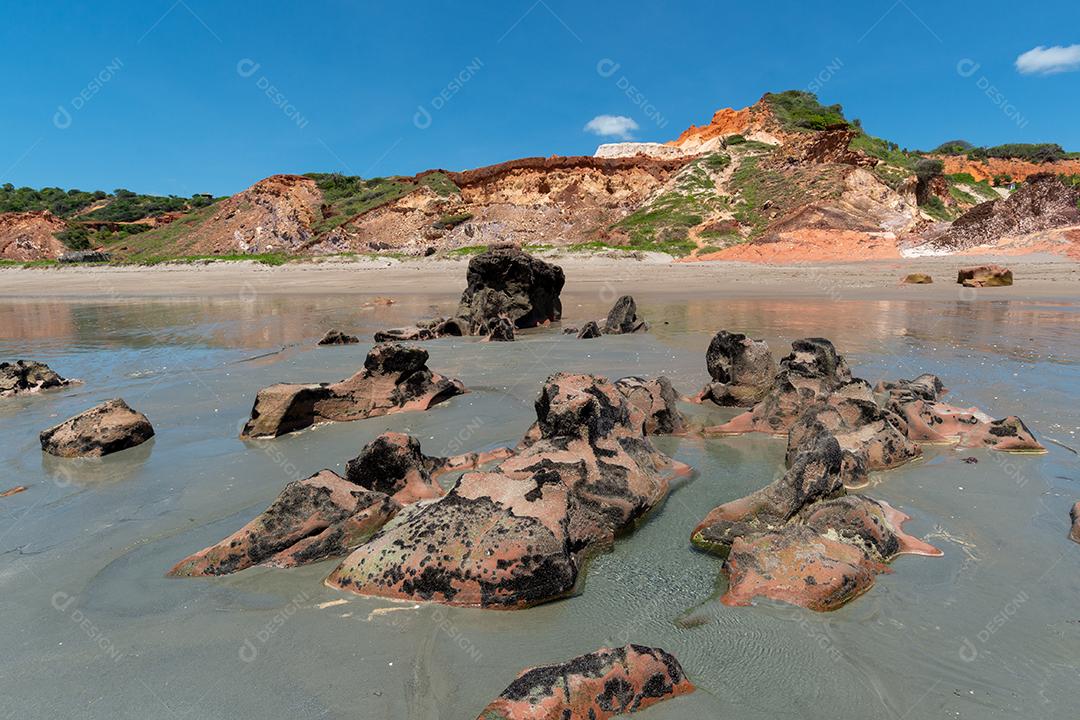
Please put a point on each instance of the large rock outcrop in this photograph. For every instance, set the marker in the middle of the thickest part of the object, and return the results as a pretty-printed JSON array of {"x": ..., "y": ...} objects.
[
  {"x": 596, "y": 686},
  {"x": 742, "y": 370},
  {"x": 658, "y": 400},
  {"x": 507, "y": 282},
  {"x": 519, "y": 535},
  {"x": 28, "y": 376},
  {"x": 803, "y": 540},
  {"x": 327, "y": 515},
  {"x": 395, "y": 379},
  {"x": 104, "y": 429}
]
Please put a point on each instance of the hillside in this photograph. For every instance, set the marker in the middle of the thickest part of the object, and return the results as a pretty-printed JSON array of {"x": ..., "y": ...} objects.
[{"x": 786, "y": 178}]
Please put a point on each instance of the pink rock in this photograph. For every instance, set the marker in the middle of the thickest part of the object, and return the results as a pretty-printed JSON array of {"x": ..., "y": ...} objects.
[{"x": 597, "y": 686}]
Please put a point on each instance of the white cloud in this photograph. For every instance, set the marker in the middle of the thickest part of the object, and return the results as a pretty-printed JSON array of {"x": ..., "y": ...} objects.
[
  {"x": 618, "y": 126},
  {"x": 1048, "y": 60}
]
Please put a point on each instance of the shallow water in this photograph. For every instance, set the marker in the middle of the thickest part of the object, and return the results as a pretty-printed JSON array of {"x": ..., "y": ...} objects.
[{"x": 92, "y": 629}]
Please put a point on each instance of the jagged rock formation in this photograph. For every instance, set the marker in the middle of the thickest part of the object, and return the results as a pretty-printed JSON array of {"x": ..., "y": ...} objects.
[
  {"x": 520, "y": 534},
  {"x": 658, "y": 400},
  {"x": 104, "y": 429},
  {"x": 28, "y": 236},
  {"x": 395, "y": 379},
  {"x": 506, "y": 282},
  {"x": 589, "y": 330},
  {"x": 742, "y": 370},
  {"x": 28, "y": 376},
  {"x": 596, "y": 686}
]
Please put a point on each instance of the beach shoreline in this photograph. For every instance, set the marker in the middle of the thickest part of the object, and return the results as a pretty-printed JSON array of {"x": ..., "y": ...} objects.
[{"x": 1037, "y": 277}]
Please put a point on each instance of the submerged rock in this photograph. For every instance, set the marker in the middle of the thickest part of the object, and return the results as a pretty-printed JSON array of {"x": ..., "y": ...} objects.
[
  {"x": 589, "y": 330},
  {"x": 319, "y": 517},
  {"x": 109, "y": 427},
  {"x": 623, "y": 319},
  {"x": 802, "y": 539},
  {"x": 411, "y": 333},
  {"x": 1074, "y": 515},
  {"x": 814, "y": 475},
  {"x": 28, "y": 376},
  {"x": 743, "y": 370},
  {"x": 519, "y": 535},
  {"x": 395, "y": 378},
  {"x": 829, "y": 558},
  {"x": 597, "y": 686},
  {"x": 985, "y": 276},
  {"x": 336, "y": 337},
  {"x": 504, "y": 281}
]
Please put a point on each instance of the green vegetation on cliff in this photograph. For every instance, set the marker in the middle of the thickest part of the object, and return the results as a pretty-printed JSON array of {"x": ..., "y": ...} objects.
[
  {"x": 350, "y": 195},
  {"x": 801, "y": 110}
]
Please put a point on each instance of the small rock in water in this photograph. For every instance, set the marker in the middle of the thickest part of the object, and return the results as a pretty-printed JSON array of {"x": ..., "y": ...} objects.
[
  {"x": 104, "y": 429},
  {"x": 597, "y": 686},
  {"x": 336, "y": 337}
]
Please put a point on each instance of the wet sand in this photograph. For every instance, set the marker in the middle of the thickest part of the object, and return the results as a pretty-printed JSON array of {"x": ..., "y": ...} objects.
[{"x": 1037, "y": 277}]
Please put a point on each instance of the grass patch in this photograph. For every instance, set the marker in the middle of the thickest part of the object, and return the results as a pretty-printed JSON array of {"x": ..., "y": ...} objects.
[
  {"x": 717, "y": 161},
  {"x": 936, "y": 208}
]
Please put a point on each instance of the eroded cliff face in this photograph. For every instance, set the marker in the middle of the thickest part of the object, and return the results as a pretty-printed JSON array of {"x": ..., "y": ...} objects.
[
  {"x": 273, "y": 215},
  {"x": 558, "y": 201},
  {"x": 756, "y": 122},
  {"x": 1017, "y": 170},
  {"x": 28, "y": 236}
]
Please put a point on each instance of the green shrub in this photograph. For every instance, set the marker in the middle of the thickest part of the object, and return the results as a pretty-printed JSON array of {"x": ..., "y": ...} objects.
[{"x": 798, "y": 109}]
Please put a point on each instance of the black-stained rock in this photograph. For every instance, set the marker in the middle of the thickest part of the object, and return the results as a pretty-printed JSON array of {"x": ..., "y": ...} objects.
[
  {"x": 28, "y": 376},
  {"x": 336, "y": 337},
  {"x": 597, "y": 686},
  {"x": 623, "y": 319},
  {"x": 742, "y": 370},
  {"x": 589, "y": 330},
  {"x": 505, "y": 281}
]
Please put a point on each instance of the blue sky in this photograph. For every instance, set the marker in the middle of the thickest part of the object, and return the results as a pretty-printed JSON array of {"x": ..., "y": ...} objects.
[{"x": 177, "y": 97}]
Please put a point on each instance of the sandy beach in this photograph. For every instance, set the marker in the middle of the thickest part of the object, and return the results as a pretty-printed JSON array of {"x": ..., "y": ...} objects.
[{"x": 1037, "y": 276}]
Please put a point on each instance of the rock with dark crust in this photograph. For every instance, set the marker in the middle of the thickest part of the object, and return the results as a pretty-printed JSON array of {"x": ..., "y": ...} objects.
[
  {"x": 743, "y": 370},
  {"x": 107, "y": 428},
  {"x": 812, "y": 372},
  {"x": 394, "y": 464},
  {"x": 1074, "y": 515},
  {"x": 319, "y": 517},
  {"x": 589, "y": 330},
  {"x": 28, "y": 376},
  {"x": 499, "y": 329},
  {"x": 814, "y": 475},
  {"x": 395, "y": 379},
  {"x": 623, "y": 319},
  {"x": 519, "y": 535},
  {"x": 658, "y": 400},
  {"x": 504, "y": 281},
  {"x": 863, "y": 430},
  {"x": 336, "y": 337},
  {"x": 597, "y": 686},
  {"x": 492, "y": 541}
]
